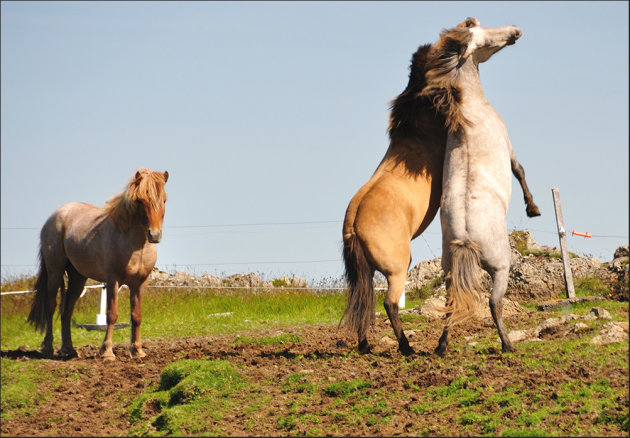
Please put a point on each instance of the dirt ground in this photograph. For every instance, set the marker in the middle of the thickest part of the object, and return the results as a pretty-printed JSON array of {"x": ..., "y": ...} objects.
[{"x": 96, "y": 403}]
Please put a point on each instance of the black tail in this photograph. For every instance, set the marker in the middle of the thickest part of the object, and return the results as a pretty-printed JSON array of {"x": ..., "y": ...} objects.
[
  {"x": 38, "y": 316},
  {"x": 359, "y": 313}
]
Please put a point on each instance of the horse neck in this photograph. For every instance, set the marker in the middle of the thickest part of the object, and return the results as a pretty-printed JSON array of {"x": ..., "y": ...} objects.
[
  {"x": 134, "y": 233},
  {"x": 470, "y": 82}
]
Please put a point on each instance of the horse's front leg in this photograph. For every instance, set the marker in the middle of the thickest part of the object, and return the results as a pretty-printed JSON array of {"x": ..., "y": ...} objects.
[
  {"x": 107, "y": 351},
  {"x": 135, "y": 302},
  {"x": 518, "y": 171}
]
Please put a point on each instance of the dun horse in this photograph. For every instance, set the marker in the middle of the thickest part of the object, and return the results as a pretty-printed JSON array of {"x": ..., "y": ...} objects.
[
  {"x": 114, "y": 244},
  {"x": 403, "y": 195}
]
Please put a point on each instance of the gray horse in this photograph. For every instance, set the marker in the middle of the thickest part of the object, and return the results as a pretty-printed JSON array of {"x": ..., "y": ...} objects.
[{"x": 476, "y": 186}]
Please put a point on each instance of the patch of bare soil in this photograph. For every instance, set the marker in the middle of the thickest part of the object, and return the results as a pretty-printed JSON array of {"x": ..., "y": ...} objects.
[{"x": 93, "y": 399}]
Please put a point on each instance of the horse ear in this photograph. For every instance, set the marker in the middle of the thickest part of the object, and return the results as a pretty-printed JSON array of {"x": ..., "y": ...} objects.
[
  {"x": 137, "y": 177},
  {"x": 165, "y": 176}
]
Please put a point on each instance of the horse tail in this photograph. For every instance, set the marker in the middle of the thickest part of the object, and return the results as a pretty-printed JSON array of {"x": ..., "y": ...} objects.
[
  {"x": 463, "y": 294},
  {"x": 359, "y": 313},
  {"x": 38, "y": 316}
]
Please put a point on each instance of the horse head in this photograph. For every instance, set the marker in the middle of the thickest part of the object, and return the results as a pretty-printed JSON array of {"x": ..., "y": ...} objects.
[
  {"x": 152, "y": 199},
  {"x": 483, "y": 42},
  {"x": 141, "y": 204}
]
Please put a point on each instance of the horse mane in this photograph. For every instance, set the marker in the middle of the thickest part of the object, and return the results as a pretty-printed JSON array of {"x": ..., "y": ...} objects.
[
  {"x": 433, "y": 86},
  {"x": 146, "y": 186}
]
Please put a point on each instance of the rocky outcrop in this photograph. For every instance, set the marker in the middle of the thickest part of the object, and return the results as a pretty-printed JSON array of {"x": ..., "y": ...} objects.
[
  {"x": 613, "y": 331},
  {"x": 251, "y": 280},
  {"x": 536, "y": 271}
]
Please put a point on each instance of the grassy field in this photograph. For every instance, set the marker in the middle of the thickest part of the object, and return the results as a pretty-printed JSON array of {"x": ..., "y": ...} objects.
[
  {"x": 199, "y": 312},
  {"x": 279, "y": 384}
]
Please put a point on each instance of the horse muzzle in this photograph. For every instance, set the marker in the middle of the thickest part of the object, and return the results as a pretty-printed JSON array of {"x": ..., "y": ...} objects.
[
  {"x": 514, "y": 37},
  {"x": 154, "y": 236}
]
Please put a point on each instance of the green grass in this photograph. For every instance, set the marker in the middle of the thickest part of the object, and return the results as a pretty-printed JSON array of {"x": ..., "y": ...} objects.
[
  {"x": 202, "y": 312},
  {"x": 345, "y": 388},
  {"x": 591, "y": 286},
  {"x": 197, "y": 397},
  {"x": 189, "y": 393},
  {"x": 285, "y": 338},
  {"x": 542, "y": 410},
  {"x": 20, "y": 394}
]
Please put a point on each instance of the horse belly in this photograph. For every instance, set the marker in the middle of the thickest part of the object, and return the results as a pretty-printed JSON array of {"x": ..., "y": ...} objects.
[
  {"x": 387, "y": 218},
  {"x": 82, "y": 240},
  {"x": 476, "y": 182}
]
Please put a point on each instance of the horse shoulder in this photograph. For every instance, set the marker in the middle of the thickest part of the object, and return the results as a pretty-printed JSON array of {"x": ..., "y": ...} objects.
[{"x": 141, "y": 262}]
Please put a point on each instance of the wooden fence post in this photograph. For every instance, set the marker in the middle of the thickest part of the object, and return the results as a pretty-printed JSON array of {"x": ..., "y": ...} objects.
[{"x": 568, "y": 277}]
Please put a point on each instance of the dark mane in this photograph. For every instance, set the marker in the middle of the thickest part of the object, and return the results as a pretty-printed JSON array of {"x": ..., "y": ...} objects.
[
  {"x": 408, "y": 109},
  {"x": 432, "y": 90}
]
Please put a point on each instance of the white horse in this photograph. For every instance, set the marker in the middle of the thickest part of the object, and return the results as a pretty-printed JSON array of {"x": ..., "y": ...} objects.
[{"x": 476, "y": 186}]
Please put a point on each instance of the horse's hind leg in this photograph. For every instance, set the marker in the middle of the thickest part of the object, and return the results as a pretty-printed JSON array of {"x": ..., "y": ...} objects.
[
  {"x": 443, "y": 342},
  {"x": 76, "y": 281},
  {"x": 395, "y": 289},
  {"x": 500, "y": 280},
  {"x": 55, "y": 282},
  {"x": 446, "y": 267}
]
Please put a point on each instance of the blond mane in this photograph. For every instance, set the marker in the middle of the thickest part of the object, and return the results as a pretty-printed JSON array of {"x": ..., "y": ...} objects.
[
  {"x": 442, "y": 71},
  {"x": 146, "y": 186}
]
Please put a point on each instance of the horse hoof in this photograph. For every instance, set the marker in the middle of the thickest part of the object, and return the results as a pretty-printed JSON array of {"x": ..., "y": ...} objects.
[
  {"x": 508, "y": 348},
  {"x": 533, "y": 212},
  {"x": 68, "y": 354},
  {"x": 138, "y": 354},
  {"x": 408, "y": 351},
  {"x": 440, "y": 350},
  {"x": 107, "y": 354},
  {"x": 364, "y": 348}
]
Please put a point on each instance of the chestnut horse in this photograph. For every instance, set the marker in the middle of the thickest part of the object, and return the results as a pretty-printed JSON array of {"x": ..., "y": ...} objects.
[
  {"x": 403, "y": 195},
  {"x": 114, "y": 244},
  {"x": 477, "y": 182}
]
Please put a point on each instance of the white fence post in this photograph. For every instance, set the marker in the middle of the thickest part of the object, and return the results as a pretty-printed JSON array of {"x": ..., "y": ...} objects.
[
  {"x": 401, "y": 302},
  {"x": 101, "y": 317}
]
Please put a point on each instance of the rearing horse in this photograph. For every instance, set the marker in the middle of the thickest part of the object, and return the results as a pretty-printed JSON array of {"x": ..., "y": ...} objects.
[
  {"x": 477, "y": 182},
  {"x": 403, "y": 195},
  {"x": 114, "y": 245}
]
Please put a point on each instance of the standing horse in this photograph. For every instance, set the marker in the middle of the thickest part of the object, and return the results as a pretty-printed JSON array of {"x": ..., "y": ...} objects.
[
  {"x": 476, "y": 186},
  {"x": 114, "y": 245},
  {"x": 403, "y": 195}
]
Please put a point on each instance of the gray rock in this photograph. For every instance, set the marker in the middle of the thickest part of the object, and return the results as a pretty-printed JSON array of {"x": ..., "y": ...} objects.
[
  {"x": 600, "y": 313},
  {"x": 622, "y": 251},
  {"x": 387, "y": 342},
  {"x": 612, "y": 332}
]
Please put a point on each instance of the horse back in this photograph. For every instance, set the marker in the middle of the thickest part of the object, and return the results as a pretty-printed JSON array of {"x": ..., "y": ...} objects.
[{"x": 406, "y": 186}]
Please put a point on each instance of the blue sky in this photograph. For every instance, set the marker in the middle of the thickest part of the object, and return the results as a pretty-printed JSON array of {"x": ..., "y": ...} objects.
[{"x": 269, "y": 116}]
